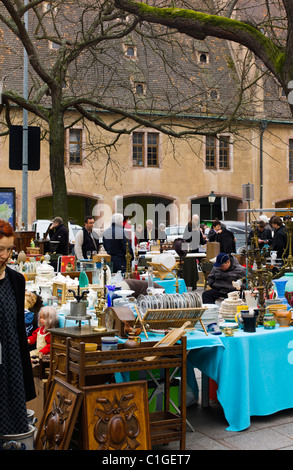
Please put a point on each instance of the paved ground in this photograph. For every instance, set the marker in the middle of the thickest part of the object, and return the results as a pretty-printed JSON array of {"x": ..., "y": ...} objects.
[{"x": 274, "y": 432}]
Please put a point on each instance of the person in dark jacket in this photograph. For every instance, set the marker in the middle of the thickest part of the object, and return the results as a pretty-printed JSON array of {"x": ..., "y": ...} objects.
[
  {"x": 280, "y": 237},
  {"x": 16, "y": 376},
  {"x": 224, "y": 236},
  {"x": 193, "y": 237},
  {"x": 150, "y": 231},
  {"x": 114, "y": 241},
  {"x": 59, "y": 233},
  {"x": 264, "y": 235},
  {"x": 225, "y": 271}
]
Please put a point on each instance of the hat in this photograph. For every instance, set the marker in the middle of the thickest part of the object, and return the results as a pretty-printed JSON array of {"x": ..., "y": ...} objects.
[{"x": 221, "y": 258}]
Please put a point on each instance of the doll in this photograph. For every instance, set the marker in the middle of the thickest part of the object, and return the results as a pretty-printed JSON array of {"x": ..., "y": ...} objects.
[
  {"x": 32, "y": 305},
  {"x": 48, "y": 318}
]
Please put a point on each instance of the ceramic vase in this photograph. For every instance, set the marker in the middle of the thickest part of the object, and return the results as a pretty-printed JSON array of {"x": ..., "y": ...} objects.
[
  {"x": 280, "y": 285},
  {"x": 23, "y": 441}
]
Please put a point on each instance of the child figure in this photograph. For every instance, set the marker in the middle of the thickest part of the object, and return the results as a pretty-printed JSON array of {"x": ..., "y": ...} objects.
[{"x": 48, "y": 318}]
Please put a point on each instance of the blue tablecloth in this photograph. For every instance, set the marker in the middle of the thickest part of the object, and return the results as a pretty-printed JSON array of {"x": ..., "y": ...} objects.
[
  {"x": 196, "y": 341},
  {"x": 169, "y": 285},
  {"x": 254, "y": 373}
]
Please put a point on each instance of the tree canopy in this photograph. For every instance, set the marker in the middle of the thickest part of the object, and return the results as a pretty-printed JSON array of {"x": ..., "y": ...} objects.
[{"x": 271, "y": 40}]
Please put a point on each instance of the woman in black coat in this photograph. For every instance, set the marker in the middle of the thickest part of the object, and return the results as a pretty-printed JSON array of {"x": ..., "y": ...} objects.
[{"x": 16, "y": 376}]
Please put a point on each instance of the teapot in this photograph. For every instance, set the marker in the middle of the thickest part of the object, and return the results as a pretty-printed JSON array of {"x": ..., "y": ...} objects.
[{"x": 133, "y": 332}]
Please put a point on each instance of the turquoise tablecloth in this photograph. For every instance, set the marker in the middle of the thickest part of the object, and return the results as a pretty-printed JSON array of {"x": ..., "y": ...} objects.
[
  {"x": 254, "y": 373},
  {"x": 196, "y": 341},
  {"x": 169, "y": 285}
]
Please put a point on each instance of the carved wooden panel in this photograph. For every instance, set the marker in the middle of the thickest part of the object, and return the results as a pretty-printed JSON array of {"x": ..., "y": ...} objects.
[
  {"x": 59, "y": 416},
  {"x": 116, "y": 417}
]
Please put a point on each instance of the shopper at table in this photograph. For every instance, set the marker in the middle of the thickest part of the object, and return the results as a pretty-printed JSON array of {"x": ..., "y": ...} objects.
[
  {"x": 225, "y": 271},
  {"x": 59, "y": 233},
  {"x": 224, "y": 236},
  {"x": 193, "y": 237},
  {"x": 86, "y": 239},
  {"x": 162, "y": 236},
  {"x": 264, "y": 235},
  {"x": 16, "y": 377},
  {"x": 280, "y": 237},
  {"x": 115, "y": 243},
  {"x": 150, "y": 232}
]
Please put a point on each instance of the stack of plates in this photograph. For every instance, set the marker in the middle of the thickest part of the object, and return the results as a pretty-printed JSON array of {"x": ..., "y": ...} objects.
[
  {"x": 211, "y": 315},
  {"x": 167, "y": 301},
  {"x": 228, "y": 308}
]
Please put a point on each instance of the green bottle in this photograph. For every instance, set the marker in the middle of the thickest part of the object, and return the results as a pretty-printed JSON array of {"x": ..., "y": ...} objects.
[{"x": 83, "y": 279}]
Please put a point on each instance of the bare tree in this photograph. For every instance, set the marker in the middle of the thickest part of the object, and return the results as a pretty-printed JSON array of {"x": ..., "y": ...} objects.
[
  {"x": 80, "y": 71},
  {"x": 268, "y": 35}
]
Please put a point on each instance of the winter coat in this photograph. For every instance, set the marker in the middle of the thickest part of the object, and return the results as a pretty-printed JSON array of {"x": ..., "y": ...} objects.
[{"x": 222, "y": 280}]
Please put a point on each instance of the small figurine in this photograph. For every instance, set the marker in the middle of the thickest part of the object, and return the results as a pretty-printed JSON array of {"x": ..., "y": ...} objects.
[{"x": 48, "y": 318}]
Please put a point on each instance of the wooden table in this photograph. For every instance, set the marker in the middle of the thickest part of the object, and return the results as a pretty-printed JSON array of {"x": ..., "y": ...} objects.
[{"x": 58, "y": 346}]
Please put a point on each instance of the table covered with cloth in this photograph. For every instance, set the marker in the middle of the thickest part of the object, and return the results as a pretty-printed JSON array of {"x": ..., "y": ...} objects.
[
  {"x": 254, "y": 373},
  {"x": 196, "y": 341}
]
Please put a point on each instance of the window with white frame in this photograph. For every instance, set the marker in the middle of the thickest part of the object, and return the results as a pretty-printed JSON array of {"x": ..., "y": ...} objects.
[
  {"x": 145, "y": 149},
  {"x": 73, "y": 153},
  {"x": 218, "y": 152}
]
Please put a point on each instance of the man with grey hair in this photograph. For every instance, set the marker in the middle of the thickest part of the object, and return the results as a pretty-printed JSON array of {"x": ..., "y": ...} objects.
[
  {"x": 150, "y": 232},
  {"x": 115, "y": 242}
]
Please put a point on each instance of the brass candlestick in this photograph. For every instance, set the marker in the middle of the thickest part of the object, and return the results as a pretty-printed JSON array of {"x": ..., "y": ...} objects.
[
  {"x": 99, "y": 310},
  {"x": 128, "y": 261}
]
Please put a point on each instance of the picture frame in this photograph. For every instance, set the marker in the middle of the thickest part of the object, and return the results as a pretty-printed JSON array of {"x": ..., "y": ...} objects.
[
  {"x": 59, "y": 291},
  {"x": 60, "y": 412}
]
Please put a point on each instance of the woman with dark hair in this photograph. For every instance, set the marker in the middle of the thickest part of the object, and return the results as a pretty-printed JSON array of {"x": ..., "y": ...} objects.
[{"x": 16, "y": 377}]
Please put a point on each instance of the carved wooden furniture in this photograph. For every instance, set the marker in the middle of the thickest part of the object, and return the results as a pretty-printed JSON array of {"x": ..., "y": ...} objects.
[
  {"x": 60, "y": 414},
  {"x": 116, "y": 417},
  {"x": 164, "y": 425},
  {"x": 58, "y": 346}
]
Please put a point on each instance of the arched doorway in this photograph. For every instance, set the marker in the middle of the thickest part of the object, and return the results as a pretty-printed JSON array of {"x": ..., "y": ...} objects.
[
  {"x": 205, "y": 211},
  {"x": 142, "y": 208},
  {"x": 78, "y": 208}
]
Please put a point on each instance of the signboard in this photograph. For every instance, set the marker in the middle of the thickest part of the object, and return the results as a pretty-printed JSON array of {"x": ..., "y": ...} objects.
[{"x": 7, "y": 205}]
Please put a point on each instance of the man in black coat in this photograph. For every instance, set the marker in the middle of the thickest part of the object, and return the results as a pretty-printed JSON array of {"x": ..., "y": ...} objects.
[
  {"x": 280, "y": 237},
  {"x": 114, "y": 241},
  {"x": 224, "y": 236},
  {"x": 59, "y": 233},
  {"x": 264, "y": 235}
]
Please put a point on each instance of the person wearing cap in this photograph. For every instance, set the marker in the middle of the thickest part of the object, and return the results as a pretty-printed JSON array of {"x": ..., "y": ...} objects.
[
  {"x": 58, "y": 232},
  {"x": 225, "y": 271}
]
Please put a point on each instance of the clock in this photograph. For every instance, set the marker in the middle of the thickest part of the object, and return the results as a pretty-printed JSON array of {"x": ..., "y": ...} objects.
[{"x": 115, "y": 317}]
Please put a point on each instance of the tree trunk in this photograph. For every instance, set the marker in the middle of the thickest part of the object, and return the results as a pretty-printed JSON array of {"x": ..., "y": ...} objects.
[{"x": 57, "y": 170}]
